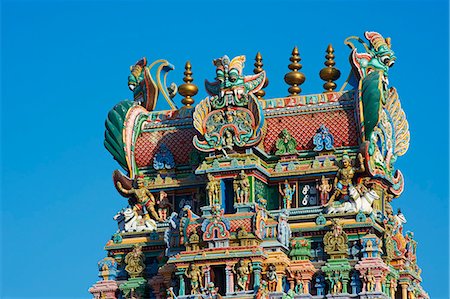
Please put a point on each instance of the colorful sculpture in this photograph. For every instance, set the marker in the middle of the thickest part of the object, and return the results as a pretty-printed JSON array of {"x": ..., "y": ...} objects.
[
  {"x": 258, "y": 171},
  {"x": 286, "y": 144},
  {"x": 231, "y": 117},
  {"x": 287, "y": 192},
  {"x": 196, "y": 277},
  {"x": 144, "y": 199},
  {"x": 323, "y": 140},
  {"x": 241, "y": 187}
]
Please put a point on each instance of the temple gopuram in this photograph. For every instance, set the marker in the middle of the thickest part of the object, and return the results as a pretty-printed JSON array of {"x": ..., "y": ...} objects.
[{"x": 243, "y": 196}]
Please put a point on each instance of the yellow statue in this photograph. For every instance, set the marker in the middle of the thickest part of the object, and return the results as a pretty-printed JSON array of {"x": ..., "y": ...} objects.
[
  {"x": 144, "y": 198},
  {"x": 213, "y": 188},
  {"x": 196, "y": 277},
  {"x": 242, "y": 272},
  {"x": 344, "y": 176}
]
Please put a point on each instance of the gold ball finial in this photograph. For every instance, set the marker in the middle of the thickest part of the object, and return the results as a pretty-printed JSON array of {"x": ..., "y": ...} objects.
[
  {"x": 295, "y": 78},
  {"x": 188, "y": 90},
  {"x": 329, "y": 73},
  {"x": 258, "y": 69}
]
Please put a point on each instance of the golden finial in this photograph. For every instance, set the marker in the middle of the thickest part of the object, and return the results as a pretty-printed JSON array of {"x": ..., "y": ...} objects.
[
  {"x": 258, "y": 69},
  {"x": 329, "y": 73},
  {"x": 187, "y": 89},
  {"x": 295, "y": 78}
]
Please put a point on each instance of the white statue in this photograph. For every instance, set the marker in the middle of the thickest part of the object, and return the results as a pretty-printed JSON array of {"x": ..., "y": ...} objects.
[{"x": 129, "y": 221}]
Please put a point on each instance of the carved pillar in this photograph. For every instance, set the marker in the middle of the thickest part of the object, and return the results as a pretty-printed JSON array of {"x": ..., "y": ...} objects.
[
  {"x": 229, "y": 278},
  {"x": 207, "y": 274},
  {"x": 404, "y": 286},
  {"x": 280, "y": 275},
  {"x": 180, "y": 274},
  {"x": 257, "y": 275}
]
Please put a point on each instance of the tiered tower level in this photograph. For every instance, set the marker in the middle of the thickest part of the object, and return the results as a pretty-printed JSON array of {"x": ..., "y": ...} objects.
[{"x": 241, "y": 196}]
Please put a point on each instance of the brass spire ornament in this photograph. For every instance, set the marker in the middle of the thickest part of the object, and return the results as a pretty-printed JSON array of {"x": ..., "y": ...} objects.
[
  {"x": 258, "y": 69},
  {"x": 187, "y": 89},
  {"x": 295, "y": 78},
  {"x": 329, "y": 73}
]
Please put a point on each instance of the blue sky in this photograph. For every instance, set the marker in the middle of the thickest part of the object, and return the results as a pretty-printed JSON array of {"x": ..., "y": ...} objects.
[{"x": 65, "y": 64}]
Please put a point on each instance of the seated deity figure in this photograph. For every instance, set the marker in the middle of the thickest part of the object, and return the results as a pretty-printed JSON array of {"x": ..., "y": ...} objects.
[
  {"x": 196, "y": 277},
  {"x": 144, "y": 199},
  {"x": 344, "y": 176},
  {"x": 287, "y": 192},
  {"x": 163, "y": 206}
]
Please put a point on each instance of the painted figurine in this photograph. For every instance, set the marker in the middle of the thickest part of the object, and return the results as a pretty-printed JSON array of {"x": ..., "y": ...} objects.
[
  {"x": 369, "y": 280},
  {"x": 196, "y": 277},
  {"x": 287, "y": 192},
  {"x": 242, "y": 271},
  {"x": 213, "y": 188},
  {"x": 298, "y": 283},
  {"x": 263, "y": 291},
  {"x": 241, "y": 187},
  {"x": 143, "y": 196},
  {"x": 344, "y": 177},
  {"x": 272, "y": 278},
  {"x": 336, "y": 282},
  {"x": 320, "y": 285},
  {"x": 163, "y": 206},
  {"x": 325, "y": 189},
  {"x": 134, "y": 261}
]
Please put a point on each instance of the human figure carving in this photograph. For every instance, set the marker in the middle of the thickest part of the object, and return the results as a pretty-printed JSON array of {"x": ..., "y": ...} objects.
[
  {"x": 272, "y": 278},
  {"x": 242, "y": 271},
  {"x": 287, "y": 192},
  {"x": 213, "y": 188},
  {"x": 144, "y": 198},
  {"x": 325, "y": 189},
  {"x": 196, "y": 277},
  {"x": 241, "y": 187},
  {"x": 163, "y": 206},
  {"x": 344, "y": 176},
  {"x": 369, "y": 279}
]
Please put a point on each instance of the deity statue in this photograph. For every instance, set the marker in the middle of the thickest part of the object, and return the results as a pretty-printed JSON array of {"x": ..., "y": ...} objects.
[
  {"x": 211, "y": 292},
  {"x": 144, "y": 198},
  {"x": 298, "y": 283},
  {"x": 242, "y": 271},
  {"x": 263, "y": 291},
  {"x": 241, "y": 187},
  {"x": 324, "y": 189},
  {"x": 272, "y": 278},
  {"x": 196, "y": 277},
  {"x": 213, "y": 188},
  {"x": 287, "y": 192},
  {"x": 344, "y": 176},
  {"x": 163, "y": 206},
  {"x": 369, "y": 280},
  {"x": 320, "y": 285},
  {"x": 336, "y": 282},
  {"x": 393, "y": 287},
  {"x": 134, "y": 261},
  {"x": 285, "y": 144}
]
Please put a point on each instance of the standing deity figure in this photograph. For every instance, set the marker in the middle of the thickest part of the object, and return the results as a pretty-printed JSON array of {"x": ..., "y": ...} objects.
[
  {"x": 144, "y": 198},
  {"x": 320, "y": 285},
  {"x": 393, "y": 287},
  {"x": 369, "y": 279},
  {"x": 336, "y": 282},
  {"x": 272, "y": 278},
  {"x": 242, "y": 271},
  {"x": 213, "y": 189},
  {"x": 134, "y": 261},
  {"x": 325, "y": 189},
  {"x": 298, "y": 283},
  {"x": 163, "y": 206},
  {"x": 287, "y": 192},
  {"x": 344, "y": 176},
  {"x": 241, "y": 187},
  {"x": 196, "y": 277}
]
